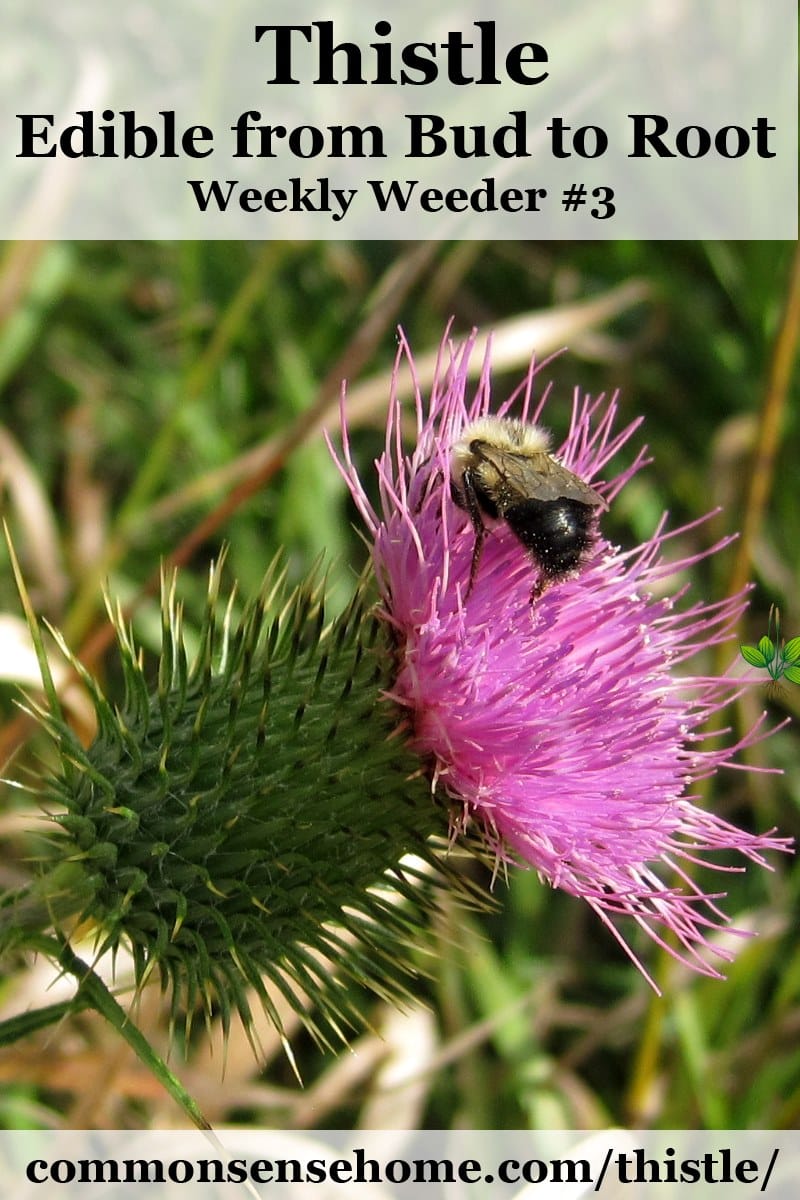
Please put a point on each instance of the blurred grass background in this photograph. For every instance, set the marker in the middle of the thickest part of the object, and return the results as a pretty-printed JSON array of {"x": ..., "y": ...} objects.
[{"x": 159, "y": 399}]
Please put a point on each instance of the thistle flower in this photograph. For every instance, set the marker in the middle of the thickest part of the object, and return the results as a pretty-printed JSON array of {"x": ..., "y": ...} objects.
[{"x": 563, "y": 728}]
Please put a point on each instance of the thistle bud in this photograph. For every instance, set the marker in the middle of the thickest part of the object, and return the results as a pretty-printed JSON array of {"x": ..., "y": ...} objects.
[{"x": 253, "y": 815}]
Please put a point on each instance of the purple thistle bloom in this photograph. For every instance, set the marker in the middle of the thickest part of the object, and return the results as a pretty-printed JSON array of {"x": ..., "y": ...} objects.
[{"x": 562, "y": 726}]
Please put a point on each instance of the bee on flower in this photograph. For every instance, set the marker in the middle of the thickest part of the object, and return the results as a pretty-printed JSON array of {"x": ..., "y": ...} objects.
[{"x": 537, "y": 669}]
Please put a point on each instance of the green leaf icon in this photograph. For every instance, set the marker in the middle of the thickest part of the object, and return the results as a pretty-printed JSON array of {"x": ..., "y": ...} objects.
[
  {"x": 753, "y": 656},
  {"x": 791, "y": 651},
  {"x": 792, "y": 673},
  {"x": 767, "y": 648}
]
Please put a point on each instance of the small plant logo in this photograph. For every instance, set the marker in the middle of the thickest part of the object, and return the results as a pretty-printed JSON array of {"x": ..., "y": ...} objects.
[{"x": 780, "y": 659}]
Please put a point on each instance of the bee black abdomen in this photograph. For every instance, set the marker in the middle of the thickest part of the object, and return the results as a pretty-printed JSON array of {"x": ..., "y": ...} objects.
[{"x": 556, "y": 532}]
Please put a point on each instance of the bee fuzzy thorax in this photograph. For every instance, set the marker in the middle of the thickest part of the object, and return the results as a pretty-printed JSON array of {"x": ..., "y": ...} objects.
[{"x": 504, "y": 433}]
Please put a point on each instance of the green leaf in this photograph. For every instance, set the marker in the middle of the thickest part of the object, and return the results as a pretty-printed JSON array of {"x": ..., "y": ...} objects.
[
  {"x": 767, "y": 648},
  {"x": 752, "y": 656},
  {"x": 97, "y": 996},
  {"x": 28, "y": 1023},
  {"x": 791, "y": 651},
  {"x": 792, "y": 674}
]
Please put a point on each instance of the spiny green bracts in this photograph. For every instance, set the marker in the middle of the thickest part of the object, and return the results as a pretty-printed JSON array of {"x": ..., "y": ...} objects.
[{"x": 254, "y": 815}]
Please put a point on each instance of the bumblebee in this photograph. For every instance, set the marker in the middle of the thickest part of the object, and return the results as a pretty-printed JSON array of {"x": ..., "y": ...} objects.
[{"x": 502, "y": 469}]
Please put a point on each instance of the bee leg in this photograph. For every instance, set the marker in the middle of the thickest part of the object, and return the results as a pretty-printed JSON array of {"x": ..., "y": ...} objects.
[
  {"x": 473, "y": 508},
  {"x": 537, "y": 589},
  {"x": 480, "y": 535}
]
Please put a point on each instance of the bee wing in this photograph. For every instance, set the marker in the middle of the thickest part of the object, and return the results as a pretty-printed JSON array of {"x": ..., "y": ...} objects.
[
  {"x": 540, "y": 477},
  {"x": 556, "y": 482}
]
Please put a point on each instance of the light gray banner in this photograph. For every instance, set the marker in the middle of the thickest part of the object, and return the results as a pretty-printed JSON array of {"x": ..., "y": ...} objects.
[
  {"x": 639, "y": 119},
  {"x": 506, "y": 1164}
]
